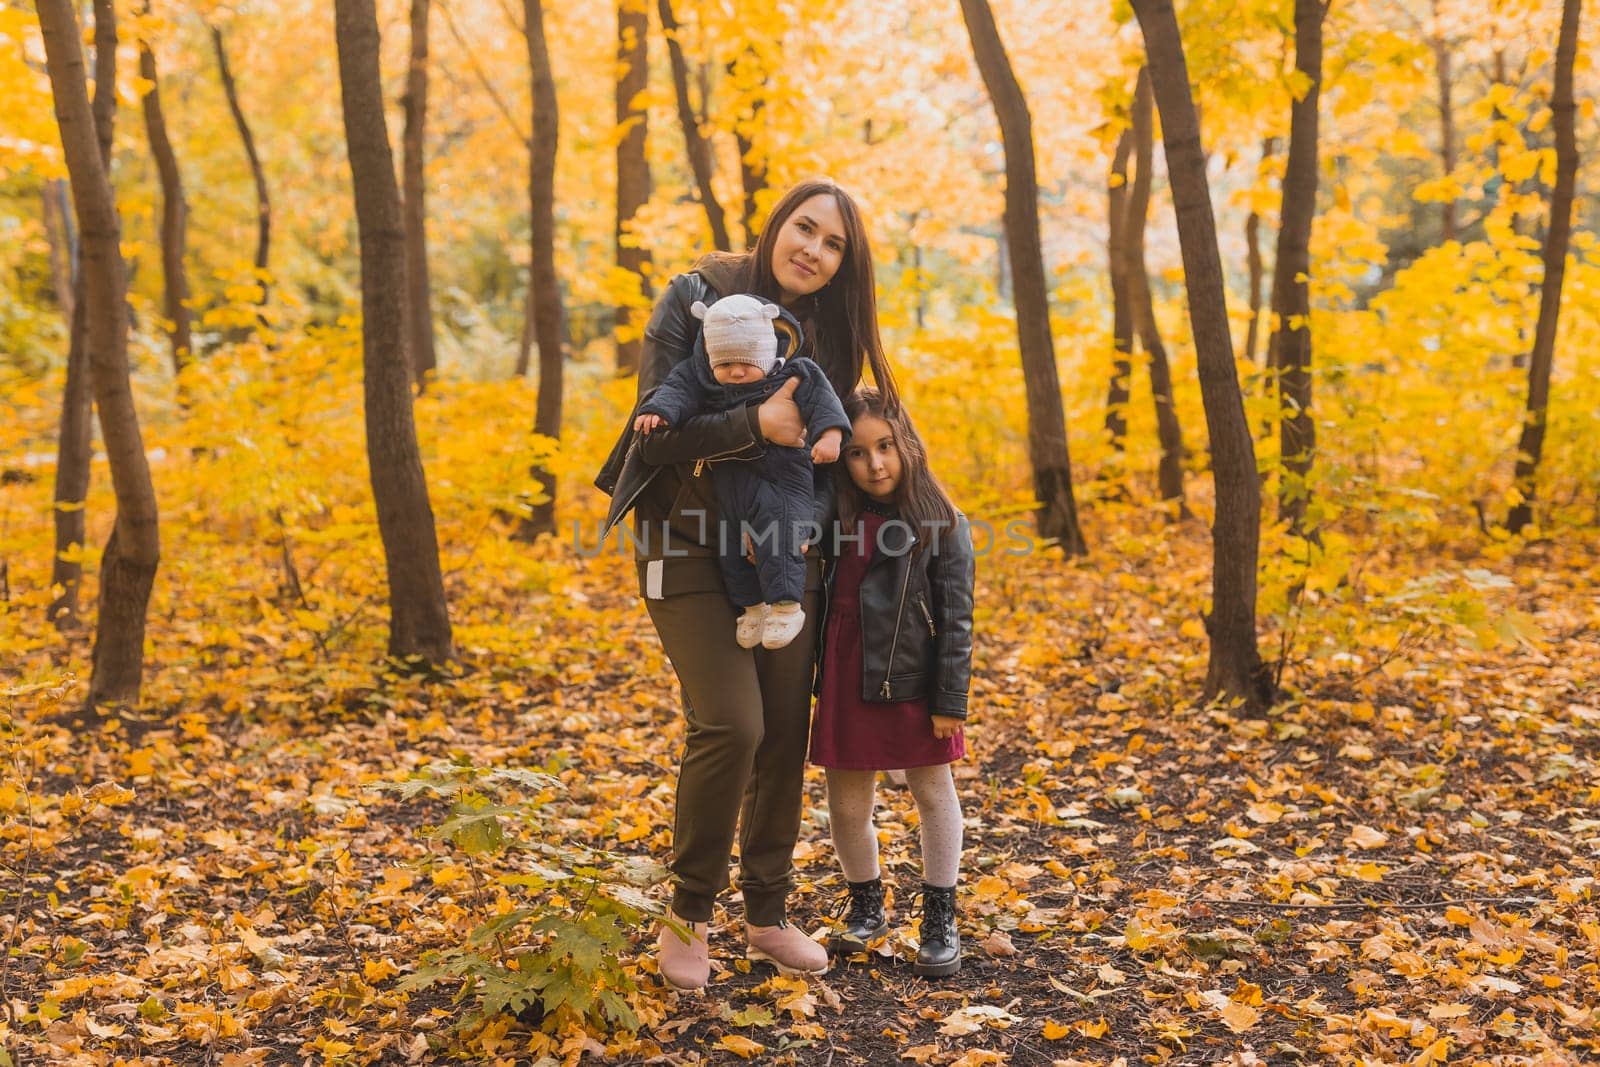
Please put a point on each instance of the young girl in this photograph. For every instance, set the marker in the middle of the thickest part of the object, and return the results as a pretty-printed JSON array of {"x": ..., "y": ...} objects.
[{"x": 895, "y": 667}]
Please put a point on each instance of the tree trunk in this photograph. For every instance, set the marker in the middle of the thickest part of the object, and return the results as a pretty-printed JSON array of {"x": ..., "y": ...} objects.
[
  {"x": 1447, "y": 121},
  {"x": 1235, "y": 671},
  {"x": 1291, "y": 288},
  {"x": 1057, "y": 514},
  {"x": 1530, "y": 448},
  {"x": 1500, "y": 76},
  {"x": 545, "y": 287},
  {"x": 74, "y": 450},
  {"x": 1169, "y": 471},
  {"x": 419, "y": 619},
  {"x": 263, "y": 201},
  {"x": 922, "y": 283},
  {"x": 696, "y": 144},
  {"x": 419, "y": 302},
  {"x": 1002, "y": 265},
  {"x": 633, "y": 167},
  {"x": 525, "y": 338},
  {"x": 1121, "y": 312},
  {"x": 1252, "y": 253},
  {"x": 75, "y": 446},
  {"x": 174, "y": 214},
  {"x": 63, "y": 244},
  {"x": 753, "y": 176},
  {"x": 747, "y": 71},
  {"x": 128, "y": 566},
  {"x": 1252, "y": 238}
]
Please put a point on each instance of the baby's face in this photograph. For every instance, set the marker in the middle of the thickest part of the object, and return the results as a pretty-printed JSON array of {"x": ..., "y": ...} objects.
[{"x": 735, "y": 373}]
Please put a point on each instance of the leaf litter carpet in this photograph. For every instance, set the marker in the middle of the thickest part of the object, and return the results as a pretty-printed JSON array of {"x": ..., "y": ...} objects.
[{"x": 1396, "y": 866}]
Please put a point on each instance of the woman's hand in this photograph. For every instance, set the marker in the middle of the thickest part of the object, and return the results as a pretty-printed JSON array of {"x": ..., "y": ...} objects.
[
  {"x": 945, "y": 726},
  {"x": 780, "y": 419}
]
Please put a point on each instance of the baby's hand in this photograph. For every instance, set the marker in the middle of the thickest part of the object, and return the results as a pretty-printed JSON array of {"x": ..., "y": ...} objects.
[
  {"x": 826, "y": 450},
  {"x": 647, "y": 423}
]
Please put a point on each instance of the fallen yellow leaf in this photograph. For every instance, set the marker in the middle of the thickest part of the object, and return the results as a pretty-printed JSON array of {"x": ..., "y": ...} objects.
[
  {"x": 1239, "y": 1017},
  {"x": 1438, "y": 1052},
  {"x": 1366, "y": 837},
  {"x": 741, "y": 1046},
  {"x": 1371, "y": 872},
  {"x": 979, "y": 1057},
  {"x": 1265, "y": 812},
  {"x": 378, "y": 970}
]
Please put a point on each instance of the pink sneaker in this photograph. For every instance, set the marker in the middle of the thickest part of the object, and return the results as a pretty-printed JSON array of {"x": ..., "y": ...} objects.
[
  {"x": 786, "y": 948},
  {"x": 684, "y": 962}
]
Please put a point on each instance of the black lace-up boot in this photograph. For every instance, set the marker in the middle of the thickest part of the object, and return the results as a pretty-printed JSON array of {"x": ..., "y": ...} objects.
[
  {"x": 939, "y": 954},
  {"x": 865, "y": 920}
]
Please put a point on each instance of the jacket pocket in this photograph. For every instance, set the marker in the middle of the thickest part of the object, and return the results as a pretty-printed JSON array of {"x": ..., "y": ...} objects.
[{"x": 927, "y": 616}]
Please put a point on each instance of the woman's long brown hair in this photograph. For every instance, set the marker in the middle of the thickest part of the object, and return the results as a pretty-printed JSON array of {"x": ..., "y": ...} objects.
[
  {"x": 921, "y": 501},
  {"x": 841, "y": 319}
]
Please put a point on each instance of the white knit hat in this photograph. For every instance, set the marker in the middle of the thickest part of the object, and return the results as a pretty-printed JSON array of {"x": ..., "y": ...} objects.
[{"x": 738, "y": 329}]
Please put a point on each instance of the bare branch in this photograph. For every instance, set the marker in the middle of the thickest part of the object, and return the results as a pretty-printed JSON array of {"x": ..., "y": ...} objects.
[{"x": 483, "y": 79}]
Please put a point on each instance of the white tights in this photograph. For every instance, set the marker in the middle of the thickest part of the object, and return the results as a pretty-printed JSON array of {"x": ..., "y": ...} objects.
[{"x": 855, "y": 839}]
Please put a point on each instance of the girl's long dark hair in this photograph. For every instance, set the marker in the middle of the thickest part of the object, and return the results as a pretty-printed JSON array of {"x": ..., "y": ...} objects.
[
  {"x": 921, "y": 501},
  {"x": 841, "y": 318}
]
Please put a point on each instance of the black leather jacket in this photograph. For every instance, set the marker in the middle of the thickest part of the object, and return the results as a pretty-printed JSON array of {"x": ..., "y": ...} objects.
[{"x": 916, "y": 619}]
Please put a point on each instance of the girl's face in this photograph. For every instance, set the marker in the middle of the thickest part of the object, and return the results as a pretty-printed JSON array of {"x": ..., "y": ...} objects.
[
  {"x": 809, "y": 248},
  {"x": 873, "y": 458}
]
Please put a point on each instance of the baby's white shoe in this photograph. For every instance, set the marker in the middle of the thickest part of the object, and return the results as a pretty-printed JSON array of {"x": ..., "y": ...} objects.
[
  {"x": 784, "y": 622},
  {"x": 751, "y": 626}
]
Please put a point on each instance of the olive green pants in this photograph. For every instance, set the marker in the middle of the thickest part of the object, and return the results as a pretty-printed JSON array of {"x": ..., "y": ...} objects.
[{"x": 749, "y": 723}]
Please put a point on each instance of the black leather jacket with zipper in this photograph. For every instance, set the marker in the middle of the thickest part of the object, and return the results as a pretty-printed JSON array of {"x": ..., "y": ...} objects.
[{"x": 916, "y": 618}]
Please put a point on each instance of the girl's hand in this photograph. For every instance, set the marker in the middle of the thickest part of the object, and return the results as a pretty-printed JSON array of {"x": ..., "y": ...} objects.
[
  {"x": 647, "y": 423},
  {"x": 826, "y": 450},
  {"x": 780, "y": 419},
  {"x": 945, "y": 726}
]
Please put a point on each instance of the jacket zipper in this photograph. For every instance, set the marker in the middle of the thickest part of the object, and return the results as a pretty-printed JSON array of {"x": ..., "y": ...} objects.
[
  {"x": 926, "y": 614},
  {"x": 823, "y": 596},
  {"x": 705, "y": 461},
  {"x": 699, "y": 464},
  {"x": 894, "y": 642}
]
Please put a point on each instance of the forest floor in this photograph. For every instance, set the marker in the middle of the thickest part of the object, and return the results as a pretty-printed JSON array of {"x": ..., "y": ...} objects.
[{"x": 1397, "y": 865}]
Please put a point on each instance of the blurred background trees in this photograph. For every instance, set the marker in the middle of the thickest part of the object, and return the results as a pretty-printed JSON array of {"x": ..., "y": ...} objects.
[{"x": 1399, "y": 171}]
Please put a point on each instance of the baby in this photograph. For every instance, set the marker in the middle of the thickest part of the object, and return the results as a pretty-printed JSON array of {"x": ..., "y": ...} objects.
[{"x": 770, "y": 499}]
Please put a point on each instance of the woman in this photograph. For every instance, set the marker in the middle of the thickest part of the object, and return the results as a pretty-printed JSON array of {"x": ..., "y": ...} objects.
[{"x": 748, "y": 709}]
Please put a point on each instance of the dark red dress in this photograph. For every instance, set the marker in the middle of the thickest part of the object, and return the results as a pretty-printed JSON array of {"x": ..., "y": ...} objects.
[{"x": 847, "y": 732}]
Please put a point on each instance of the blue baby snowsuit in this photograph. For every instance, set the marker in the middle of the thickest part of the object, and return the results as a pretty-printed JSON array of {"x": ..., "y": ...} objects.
[{"x": 769, "y": 498}]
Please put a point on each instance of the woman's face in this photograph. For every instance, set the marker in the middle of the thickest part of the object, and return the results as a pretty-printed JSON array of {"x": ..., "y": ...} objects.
[
  {"x": 809, "y": 248},
  {"x": 873, "y": 459}
]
